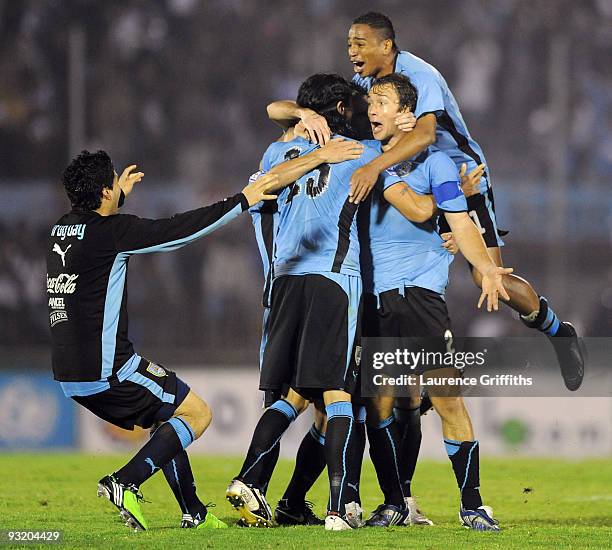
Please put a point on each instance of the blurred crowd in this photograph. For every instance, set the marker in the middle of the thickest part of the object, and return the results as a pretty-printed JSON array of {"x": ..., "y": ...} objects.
[{"x": 180, "y": 87}]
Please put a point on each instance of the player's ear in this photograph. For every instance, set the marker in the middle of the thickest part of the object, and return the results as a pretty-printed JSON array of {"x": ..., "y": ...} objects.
[
  {"x": 341, "y": 107},
  {"x": 387, "y": 46},
  {"x": 107, "y": 194}
]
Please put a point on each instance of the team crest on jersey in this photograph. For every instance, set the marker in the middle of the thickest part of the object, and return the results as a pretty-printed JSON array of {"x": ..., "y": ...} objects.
[
  {"x": 156, "y": 370},
  {"x": 402, "y": 168}
]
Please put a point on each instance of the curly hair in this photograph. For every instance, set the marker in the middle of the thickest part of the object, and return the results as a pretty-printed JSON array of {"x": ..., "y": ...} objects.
[
  {"x": 405, "y": 89},
  {"x": 321, "y": 92},
  {"x": 86, "y": 176}
]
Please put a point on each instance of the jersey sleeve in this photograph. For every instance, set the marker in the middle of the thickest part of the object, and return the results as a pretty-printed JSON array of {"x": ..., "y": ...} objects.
[
  {"x": 269, "y": 159},
  {"x": 430, "y": 95},
  {"x": 445, "y": 185},
  {"x": 134, "y": 235}
]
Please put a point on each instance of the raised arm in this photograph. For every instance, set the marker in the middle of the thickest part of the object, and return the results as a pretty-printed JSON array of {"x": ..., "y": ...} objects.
[
  {"x": 287, "y": 113},
  {"x": 336, "y": 150},
  {"x": 134, "y": 235}
]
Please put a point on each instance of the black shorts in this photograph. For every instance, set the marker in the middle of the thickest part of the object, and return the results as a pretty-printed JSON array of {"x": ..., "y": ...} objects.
[
  {"x": 149, "y": 395},
  {"x": 417, "y": 313},
  {"x": 481, "y": 208},
  {"x": 312, "y": 329}
]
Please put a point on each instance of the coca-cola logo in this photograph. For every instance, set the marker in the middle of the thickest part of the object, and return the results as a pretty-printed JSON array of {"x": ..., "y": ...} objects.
[{"x": 64, "y": 283}]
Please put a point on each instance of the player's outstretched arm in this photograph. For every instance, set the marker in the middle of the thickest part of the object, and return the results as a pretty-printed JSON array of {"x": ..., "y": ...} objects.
[
  {"x": 288, "y": 113},
  {"x": 261, "y": 189},
  {"x": 410, "y": 144},
  {"x": 336, "y": 150},
  {"x": 417, "y": 208},
  {"x": 472, "y": 246}
]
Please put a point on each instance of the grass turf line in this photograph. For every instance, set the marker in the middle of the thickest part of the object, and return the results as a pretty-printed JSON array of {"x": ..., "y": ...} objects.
[{"x": 540, "y": 503}]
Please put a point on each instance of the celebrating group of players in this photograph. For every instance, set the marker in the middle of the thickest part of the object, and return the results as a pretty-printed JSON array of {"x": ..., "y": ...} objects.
[{"x": 357, "y": 210}]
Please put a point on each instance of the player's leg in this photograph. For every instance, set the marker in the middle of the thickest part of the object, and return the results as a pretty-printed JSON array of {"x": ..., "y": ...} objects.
[
  {"x": 180, "y": 478},
  {"x": 407, "y": 414},
  {"x": 150, "y": 395},
  {"x": 244, "y": 492},
  {"x": 533, "y": 309},
  {"x": 463, "y": 452},
  {"x": 384, "y": 436},
  {"x": 292, "y": 508},
  {"x": 340, "y": 426},
  {"x": 278, "y": 364}
]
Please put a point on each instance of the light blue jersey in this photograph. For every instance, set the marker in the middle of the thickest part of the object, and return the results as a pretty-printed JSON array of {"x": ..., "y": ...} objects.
[
  {"x": 264, "y": 216},
  {"x": 397, "y": 252},
  {"x": 434, "y": 96},
  {"x": 317, "y": 229}
]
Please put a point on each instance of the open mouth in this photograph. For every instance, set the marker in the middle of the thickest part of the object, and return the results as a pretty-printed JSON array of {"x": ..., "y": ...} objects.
[
  {"x": 358, "y": 66},
  {"x": 376, "y": 127}
]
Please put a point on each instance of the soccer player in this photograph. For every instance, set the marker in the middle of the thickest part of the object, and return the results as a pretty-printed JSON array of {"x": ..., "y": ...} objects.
[
  {"x": 292, "y": 509},
  {"x": 373, "y": 53},
  {"x": 93, "y": 358},
  {"x": 405, "y": 272}
]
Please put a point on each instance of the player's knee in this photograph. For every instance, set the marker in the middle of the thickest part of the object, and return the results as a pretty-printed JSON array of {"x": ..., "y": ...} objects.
[
  {"x": 448, "y": 407},
  {"x": 198, "y": 415}
]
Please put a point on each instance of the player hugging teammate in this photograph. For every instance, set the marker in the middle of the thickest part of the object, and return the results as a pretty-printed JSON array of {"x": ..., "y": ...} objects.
[
  {"x": 358, "y": 241},
  {"x": 405, "y": 275}
]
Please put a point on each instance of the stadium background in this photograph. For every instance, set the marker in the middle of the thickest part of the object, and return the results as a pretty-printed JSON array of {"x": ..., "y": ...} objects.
[{"x": 180, "y": 87}]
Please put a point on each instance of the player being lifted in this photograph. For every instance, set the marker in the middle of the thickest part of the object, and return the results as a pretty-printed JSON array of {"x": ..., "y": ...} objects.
[
  {"x": 93, "y": 358},
  {"x": 373, "y": 53}
]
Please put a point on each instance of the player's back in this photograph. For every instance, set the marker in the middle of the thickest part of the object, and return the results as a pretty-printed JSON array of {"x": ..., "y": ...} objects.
[{"x": 317, "y": 231}]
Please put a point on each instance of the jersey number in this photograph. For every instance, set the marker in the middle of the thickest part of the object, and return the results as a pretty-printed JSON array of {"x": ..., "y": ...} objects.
[{"x": 316, "y": 183}]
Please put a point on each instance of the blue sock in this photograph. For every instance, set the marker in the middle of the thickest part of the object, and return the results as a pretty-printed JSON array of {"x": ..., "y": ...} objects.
[
  {"x": 340, "y": 422},
  {"x": 168, "y": 440},
  {"x": 545, "y": 320}
]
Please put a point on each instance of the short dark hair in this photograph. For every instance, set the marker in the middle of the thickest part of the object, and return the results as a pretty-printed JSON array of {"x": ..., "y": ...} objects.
[
  {"x": 380, "y": 22},
  {"x": 86, "y": 176},
  {"x": 321, "y": 92},
  {"x": 406, "y": 91}
]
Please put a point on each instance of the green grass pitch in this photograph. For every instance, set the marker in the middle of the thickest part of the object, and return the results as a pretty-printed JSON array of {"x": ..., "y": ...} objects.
[{"x": 540, "y": 504}]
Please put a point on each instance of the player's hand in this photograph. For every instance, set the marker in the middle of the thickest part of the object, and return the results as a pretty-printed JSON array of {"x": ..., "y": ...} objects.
[
  {"x": 258, "y": 190},
  {"x": 449, "y": 243},
  {"x": 340, "y": 149},
  {"x": 128, "y": 178},
  {"x": 363, "y": 181},
  {"x": 405, "y": 121},
  {"x": 316, "y": 126},
  {"x": 470, "y": 184},
  {"x": 493, "y": 288}
]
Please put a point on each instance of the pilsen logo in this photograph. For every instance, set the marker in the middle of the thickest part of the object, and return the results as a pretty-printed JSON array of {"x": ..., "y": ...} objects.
[{"x": 64, "y": 283}]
